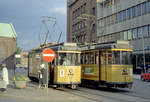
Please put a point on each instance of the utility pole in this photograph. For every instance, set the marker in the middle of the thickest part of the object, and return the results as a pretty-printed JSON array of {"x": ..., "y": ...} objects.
[
  {"x": 44, "y": 19},
  {"x": 143, "y": 53}
]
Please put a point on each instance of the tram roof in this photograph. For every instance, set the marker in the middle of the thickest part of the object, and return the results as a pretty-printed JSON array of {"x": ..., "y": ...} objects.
[
  {"x": 58, "y": 46},
  {"x": 109, "y": 45}
]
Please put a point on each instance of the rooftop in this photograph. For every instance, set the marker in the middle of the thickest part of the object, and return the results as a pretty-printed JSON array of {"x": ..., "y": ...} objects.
[{"x": 7, "y": 30}]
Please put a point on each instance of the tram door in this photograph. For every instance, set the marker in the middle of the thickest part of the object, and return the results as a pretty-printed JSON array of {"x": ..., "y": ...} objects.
[
  {"x": 51, "y": 71},
  {"x": 103, "y": 66}
]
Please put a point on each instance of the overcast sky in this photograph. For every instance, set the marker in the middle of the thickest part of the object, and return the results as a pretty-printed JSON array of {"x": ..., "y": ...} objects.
[{"x": 25, "y": 15}]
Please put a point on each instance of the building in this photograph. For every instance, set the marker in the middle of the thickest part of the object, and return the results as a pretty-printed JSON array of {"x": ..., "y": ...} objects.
[
  {"x": 24, "y": 58},
  {"x": 126, "y": 20},
  {"x": 8, "y": 44},
  {"x": 81, "y": 21}
]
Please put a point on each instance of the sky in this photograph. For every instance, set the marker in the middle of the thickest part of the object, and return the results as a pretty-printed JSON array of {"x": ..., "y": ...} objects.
[{"x": 26, "y": 17}]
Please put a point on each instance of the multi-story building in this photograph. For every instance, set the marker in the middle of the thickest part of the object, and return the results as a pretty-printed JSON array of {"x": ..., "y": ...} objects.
[
  {"x": 81, "y": 21},
  {"x": 126, "y": 20},
  {"x": 8, "y": 44}
]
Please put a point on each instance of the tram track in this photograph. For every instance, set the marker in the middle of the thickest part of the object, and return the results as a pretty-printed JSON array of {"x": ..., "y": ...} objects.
[
  {"x": 76, "y": 93},
  {"x": 84, "y": 93},
  {"x": 122, "y": 92}
]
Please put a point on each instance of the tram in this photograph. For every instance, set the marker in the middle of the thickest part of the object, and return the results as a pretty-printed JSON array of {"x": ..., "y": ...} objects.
[
  {"x": 107, "y": 64},
  {"x": 60, "y": 73}
]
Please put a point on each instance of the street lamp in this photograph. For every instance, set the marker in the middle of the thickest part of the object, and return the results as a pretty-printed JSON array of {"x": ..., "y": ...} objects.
[{"x": 143, "y": 53}]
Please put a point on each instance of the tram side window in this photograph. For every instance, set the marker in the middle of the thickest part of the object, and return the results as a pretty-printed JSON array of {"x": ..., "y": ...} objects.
[
  {"x": 89, "y": 58},
  {"x": 126, "y": 57},
  {"x": 116, "y": 57},
  {"x": 86, "y": 59},
  {"x": 82, "y": 58},
  {"x": 96, "y": 58},
  {"x": 103, "y": 58},
  {"x": 110, "y": 61},
  {"x": 76, "y": 59}
]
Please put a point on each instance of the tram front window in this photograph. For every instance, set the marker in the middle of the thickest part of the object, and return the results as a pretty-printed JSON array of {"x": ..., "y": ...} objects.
[
  {"x": 120, "y": 57},
  {"x": 69, "y": 59},
  {"x": 126, "y": 57}
]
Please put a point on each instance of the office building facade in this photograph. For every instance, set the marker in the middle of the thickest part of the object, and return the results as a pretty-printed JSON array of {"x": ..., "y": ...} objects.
[{"x": 126, "y": 20}]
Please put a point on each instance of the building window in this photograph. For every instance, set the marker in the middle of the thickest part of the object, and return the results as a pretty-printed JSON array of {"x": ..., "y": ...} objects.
[
  {"x": 78, "y": 11},
  {"x": 148, "y": 6},
  {"x": 133, "y": 11},
  {"x": 129, "y": 35},
  {"x": 73, "y": 15},
  {"x": 145, "y": 31},
  {"x": 112, "y": 19},
  {"x": 121, "y": 36},
  {"x": 144, "y": 9},
  {"x": 107, "y": 20},
  {"x": 129, "y": 13},
  {"x": 134, "y": 33},
  {"x": 102, "y": 22},
  {"x": 115, "y": 18},
  {"x": 84, "y": 8},
  {"x": 139, "y": 10},
  {"x": 93, "y": 11},
  {"x": 149, "y": 29},
  {"x": 139, "y": 31},
  {"x": 93, "y": 28},
  {"x": 125, "y": 35},
  {"x": 124, "y": 15},
  {"x": 120, "y": 16},
  {"x": 79, "y": 25}
]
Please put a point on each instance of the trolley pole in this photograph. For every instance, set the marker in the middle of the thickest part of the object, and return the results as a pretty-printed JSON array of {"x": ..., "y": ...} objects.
[{"x": 143, "y": 53}]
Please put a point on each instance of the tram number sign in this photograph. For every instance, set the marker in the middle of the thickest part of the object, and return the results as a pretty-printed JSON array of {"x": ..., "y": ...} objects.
[
  {"x": 62, "y": 73},
  {"x": 48, "y": 55}
]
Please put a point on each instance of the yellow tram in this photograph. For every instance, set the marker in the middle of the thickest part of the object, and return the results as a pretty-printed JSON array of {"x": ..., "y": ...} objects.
[
  {"x": 65, "y": 70},
  {"x": 107, "y": 64}
]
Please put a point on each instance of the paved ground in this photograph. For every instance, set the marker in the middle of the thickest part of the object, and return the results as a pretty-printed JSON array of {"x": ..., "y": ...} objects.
[{"x": 139, "y": 93}]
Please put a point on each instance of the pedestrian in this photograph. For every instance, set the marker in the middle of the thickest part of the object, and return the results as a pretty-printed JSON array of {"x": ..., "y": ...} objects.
[
  {"x": 4, "y": 77},
  {"x": 40, "y": 78},
  {"x": 43, "y": 76},
  {"x": 66, "y": 62}
]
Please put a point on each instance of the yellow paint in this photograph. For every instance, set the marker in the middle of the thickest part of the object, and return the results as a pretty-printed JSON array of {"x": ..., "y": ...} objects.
[
  {"x": 94, "y": 76},
  {"x": 69, "y": 51},
  {"x": 67, "y": 77},
  {"x": 109, "y": 73},
  {"x": 114, "y": 73},
  {"x": 130, "y": 50}
]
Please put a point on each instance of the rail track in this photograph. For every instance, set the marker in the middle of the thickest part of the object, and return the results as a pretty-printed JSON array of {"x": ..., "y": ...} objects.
[{"x": 97, "y": 96}]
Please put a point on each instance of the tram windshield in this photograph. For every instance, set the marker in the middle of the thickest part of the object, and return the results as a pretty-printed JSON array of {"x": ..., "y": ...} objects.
[
  {"x": 68, "y": 59},
  {"x": 119, "y": 57}
]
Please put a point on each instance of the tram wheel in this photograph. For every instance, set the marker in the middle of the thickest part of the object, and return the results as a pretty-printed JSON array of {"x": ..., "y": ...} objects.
[{"x": 73, "y": 86}]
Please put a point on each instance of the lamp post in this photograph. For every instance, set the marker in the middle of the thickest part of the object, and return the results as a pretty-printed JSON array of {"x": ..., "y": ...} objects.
[{"x": 143, "y": 53}]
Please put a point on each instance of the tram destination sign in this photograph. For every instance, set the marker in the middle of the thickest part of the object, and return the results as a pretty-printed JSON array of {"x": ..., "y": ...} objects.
[{"x": 48, "y": 55}]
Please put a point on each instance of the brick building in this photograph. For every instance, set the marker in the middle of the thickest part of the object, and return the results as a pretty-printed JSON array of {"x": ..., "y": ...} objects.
[
  {"x": 8, "y": 44},
  {"x": 81, "y": 20}
]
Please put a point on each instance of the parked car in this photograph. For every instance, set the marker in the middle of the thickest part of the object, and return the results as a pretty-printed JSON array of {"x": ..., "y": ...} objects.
[{"x": 145, "y": 76}]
